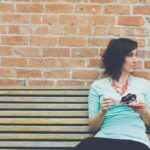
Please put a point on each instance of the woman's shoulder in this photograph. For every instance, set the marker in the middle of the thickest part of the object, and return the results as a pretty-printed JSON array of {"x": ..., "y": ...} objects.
[
  {"x": 140, "y": 81},
  {"x": 100, "y": 82}
]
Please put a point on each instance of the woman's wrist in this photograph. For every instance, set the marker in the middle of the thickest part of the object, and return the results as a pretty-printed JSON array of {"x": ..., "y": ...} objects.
[
  {"x": 102, "y": 112},
  {"x": 144, "y": 112}
]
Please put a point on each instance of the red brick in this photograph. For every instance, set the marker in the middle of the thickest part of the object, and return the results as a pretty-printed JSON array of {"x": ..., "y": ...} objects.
[
  {"x": 98, "y": 42},
  {"x": 129, "y": 1},
  {"x": 36, "y": 19},
  {"x": 131, "y": 20},
  {"x": 11, "y": 82},
  {"x": 82, "y": 20},
  {"x": 21, "y": 0},
  {"x": 147, "y": 2},
  {"x": 91, "y": 9},
  {"x": 27, "y": 52},
  {"x": 116, "y": 9},
  {"x": 29, "y": 8},
  {"x": 45, "y": 0},
  {"x": 141, "y": 32},
  {"x": 43, "y": 41},
  {"x": 16, "y": 62},
  {"x": 84, "y": 52},
  {"x": 69, "y": 19},
  {"x": 56, "y": 30},
  {"x": 116, "y": 31},
  {"x": 147, "y": 64},
  {"x": 49, "y": 19},
  {"x": 37, "y": 8},
  {"x": 144, "y": 54},
  {"x": 85, "y": 74},
  {"x": 139, "y": 64},
  {"x": 28, "y": 73},
  {"x": 5, "y": 51},
  {"x": 100, "y": 30},
  {"x": 95, "y": 62},
  {"x": 56, "y": 52},
  {"x": 70, "y": 82},
  {"x": 142, "y": 10},
  {"x": 143, "y": 74},
  {"x": 72, "y": 41},
  {"x": 40, "y": 30},
  {"x": 15, "y": 40},
  {"x": 26, "y": 29},
  {"x": 128, "y": 32},
  {"x": 4, "y": 7},
  {"x": 54, "y": 63},
  {"x": 141, "y": 42},
  {"x": 3, "y": 29},
  {"x": 4, "y": 72},
  {"x": 56, "y": 74},
  {"x": 13, "y": 29},
  {"x": 40, "y": 82},
  {"x": 70, "y": 29},
  {"x": 36, "y": 62},
  {"x": 23, "y": 7},
  {"x": 101, "y": 20},
  {"x": 101, "y": 1},
  {"x": 85, "y": 30},
  {"x": 16, "y": 19},
  {"x": 59, "y": 8}
]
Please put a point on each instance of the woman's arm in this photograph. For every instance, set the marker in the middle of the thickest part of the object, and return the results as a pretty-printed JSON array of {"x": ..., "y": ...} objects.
[
  {"x": 143, "y": 111},
  {"x": 145, "y": 115},
  {"x": 96, "y": 121},
  {"x": 146, "y": 118}
]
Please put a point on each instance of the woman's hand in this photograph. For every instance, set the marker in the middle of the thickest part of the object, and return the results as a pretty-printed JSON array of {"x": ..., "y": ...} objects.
[
  {"x": 139, "y": 107},
  {"x": 106, "y": 103}
]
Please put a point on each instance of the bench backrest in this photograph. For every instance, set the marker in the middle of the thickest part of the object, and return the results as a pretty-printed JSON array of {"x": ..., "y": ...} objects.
[{"x": 46, "y": 118}]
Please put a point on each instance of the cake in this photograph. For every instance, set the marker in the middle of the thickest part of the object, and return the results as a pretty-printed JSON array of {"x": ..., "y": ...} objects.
[{"x": 128, "y": 98}]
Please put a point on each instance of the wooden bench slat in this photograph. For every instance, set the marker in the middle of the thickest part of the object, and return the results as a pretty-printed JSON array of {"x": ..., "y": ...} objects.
[
  {"x": 42, "y": 106},
  {"x": 50, "y": 144},
  {"x": 43, "y": 121},
  {"x": 39, "y": 88},
  {"x": 44, "y": 113},
  {"x": 44, "y": 99},
  {"x": 48, "y": 92},
  {"x": 41, "y": 136},
  {"x": 12, "y": 128}
]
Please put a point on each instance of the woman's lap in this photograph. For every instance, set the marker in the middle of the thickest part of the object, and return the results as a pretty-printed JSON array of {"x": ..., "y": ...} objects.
[{"x": 109, "y": 144}]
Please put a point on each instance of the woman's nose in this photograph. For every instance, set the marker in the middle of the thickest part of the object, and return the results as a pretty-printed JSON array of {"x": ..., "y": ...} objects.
[{"x": 135, "y": 59}]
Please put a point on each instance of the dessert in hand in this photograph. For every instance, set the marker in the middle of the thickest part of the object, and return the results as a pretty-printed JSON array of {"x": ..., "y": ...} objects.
[{"x": 130, "y": 99}]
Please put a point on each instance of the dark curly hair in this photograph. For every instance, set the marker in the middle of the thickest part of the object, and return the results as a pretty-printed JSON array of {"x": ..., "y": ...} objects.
[{"x": 114, "y": 56}]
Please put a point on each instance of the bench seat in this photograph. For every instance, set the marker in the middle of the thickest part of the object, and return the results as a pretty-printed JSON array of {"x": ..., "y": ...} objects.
[{"x": 54, "y": 118}]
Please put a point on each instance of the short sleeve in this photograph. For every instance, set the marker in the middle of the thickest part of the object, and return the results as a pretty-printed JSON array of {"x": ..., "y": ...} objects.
[
  {"x": 147, "y": 95},
  {"x": 93, "y": 102}
]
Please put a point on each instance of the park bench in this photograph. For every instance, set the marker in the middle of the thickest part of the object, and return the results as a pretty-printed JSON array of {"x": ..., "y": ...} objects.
[
  {"x": 53, "y": 118},
  {"x": 43, "y": 118}
]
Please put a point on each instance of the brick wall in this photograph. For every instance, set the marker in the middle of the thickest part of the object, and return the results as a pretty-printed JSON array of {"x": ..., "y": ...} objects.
[{"x": 60, "y": 42}]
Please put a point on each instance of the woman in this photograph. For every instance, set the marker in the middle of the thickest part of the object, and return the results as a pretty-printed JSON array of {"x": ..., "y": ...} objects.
[{"x": 116, "y": 125}]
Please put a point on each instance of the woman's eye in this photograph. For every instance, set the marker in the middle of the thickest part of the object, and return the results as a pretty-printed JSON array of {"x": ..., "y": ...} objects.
[{"x": 130, "y": 55}]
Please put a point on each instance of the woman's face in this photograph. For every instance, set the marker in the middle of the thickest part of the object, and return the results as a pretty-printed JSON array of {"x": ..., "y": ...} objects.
[{"x": 130, "y": 62}]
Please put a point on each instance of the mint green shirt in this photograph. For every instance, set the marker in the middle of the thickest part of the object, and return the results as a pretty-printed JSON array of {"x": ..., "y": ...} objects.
[{"x": 120, "y": 122}]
